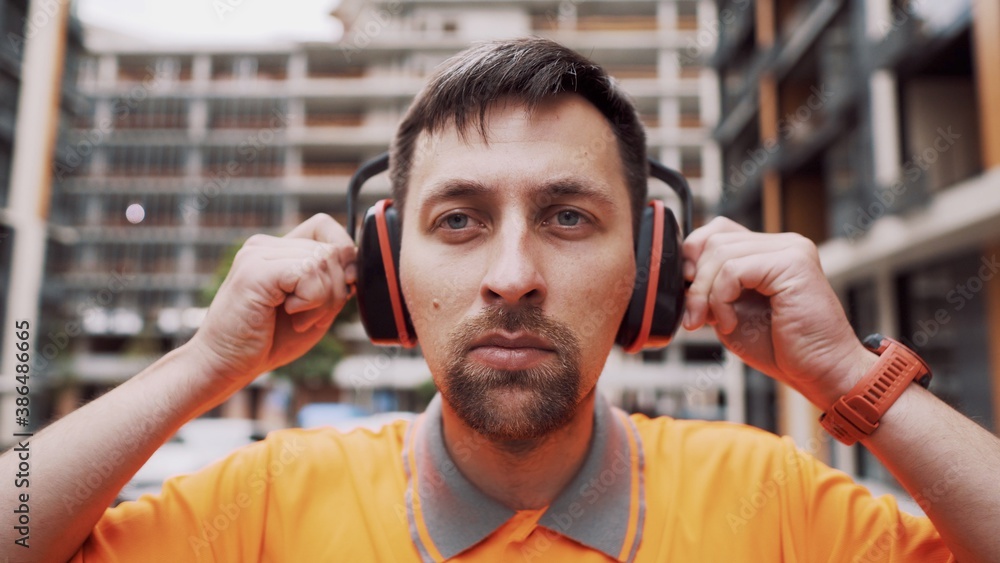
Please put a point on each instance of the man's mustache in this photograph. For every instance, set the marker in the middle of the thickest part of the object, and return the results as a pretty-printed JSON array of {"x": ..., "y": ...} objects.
[{"x": 522, "y": 319}]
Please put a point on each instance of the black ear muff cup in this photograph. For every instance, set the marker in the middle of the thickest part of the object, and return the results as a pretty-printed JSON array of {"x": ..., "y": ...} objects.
[
  {"x": 657, "y": 303},
  {"x": 380, "y": 299}
]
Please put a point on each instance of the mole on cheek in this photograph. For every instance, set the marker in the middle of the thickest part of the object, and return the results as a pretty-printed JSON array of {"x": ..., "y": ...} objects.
[{"x": 436, "y": 304}]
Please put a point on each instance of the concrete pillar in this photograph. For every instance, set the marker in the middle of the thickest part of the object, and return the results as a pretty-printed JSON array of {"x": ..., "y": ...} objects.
[{"x": 30, "y": 180}]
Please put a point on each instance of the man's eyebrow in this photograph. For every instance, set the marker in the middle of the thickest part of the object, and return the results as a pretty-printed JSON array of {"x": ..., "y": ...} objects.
[
  {"x": 572, "y": 187},
  {"x": 453, "y": 189},
  {"x": 553, "y": 190}
]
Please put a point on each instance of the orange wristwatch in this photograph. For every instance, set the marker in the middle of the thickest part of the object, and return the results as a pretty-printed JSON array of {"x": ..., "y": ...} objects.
[{"x": 855, "y": 415}]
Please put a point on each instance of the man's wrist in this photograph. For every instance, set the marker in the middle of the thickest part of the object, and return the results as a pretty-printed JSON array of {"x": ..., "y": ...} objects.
[
  {"x": 205, "y": 369},
  {"x": 857, "y": 413},
  {"x": 848, "y": 372}
]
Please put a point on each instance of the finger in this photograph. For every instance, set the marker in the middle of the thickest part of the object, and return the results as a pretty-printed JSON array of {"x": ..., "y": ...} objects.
[
  {"x": 318, "y": 317},
  {"x": 760, "y": 273},
  {"x": 323, "y": 228},
  {"x": 718, "y": 250},
  {"x": 316, "y": 320},
  {"x": 313, "y": 294},
  {"x": 324, "y": 323},
  {"x": 694, "y": 243},
  {"x": 271, "y": 278},
  {"x": 348, "y": 256},
  {"x": 259, "y": 241},
  {"x": 301, "y": 322},
  {"x": 322, "y": 284}
]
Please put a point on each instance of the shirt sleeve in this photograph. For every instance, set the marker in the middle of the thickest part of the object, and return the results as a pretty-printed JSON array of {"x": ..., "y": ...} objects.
[
  {"x": 216, "y": 514},
  {"x": 845, "y": 523}
]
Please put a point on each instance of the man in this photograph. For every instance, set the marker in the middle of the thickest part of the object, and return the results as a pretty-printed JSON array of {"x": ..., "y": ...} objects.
[{"x": 519, "y": 171}]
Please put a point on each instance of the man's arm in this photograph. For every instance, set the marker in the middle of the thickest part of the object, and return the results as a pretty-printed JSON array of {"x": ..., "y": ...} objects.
[
  {"x": 80, "y": 463},
  {"x": 277, "y": 301},
  {"x": 770, "y": 304}
]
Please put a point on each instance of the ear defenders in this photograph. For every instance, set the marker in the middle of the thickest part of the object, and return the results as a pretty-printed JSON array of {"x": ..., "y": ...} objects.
[{"x": 650, "y": 321}]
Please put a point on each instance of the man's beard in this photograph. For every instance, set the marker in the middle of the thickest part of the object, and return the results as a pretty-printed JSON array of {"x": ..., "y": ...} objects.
[{"x": 513, "y": 405}]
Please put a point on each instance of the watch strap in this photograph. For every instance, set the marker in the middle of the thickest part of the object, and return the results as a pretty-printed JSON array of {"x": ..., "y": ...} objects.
[{"x": 856, "y": 415}]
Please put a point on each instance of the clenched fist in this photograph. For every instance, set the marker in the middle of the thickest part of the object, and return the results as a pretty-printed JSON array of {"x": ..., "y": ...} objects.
[
  {"x": 279, "y": 298},
  {"x": 771, "y": 305}
]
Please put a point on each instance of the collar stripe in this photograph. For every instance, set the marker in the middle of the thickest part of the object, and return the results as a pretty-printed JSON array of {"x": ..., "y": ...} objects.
[
  {"x": 637, "y": 515},
  {"x": 418, "y": 528}
]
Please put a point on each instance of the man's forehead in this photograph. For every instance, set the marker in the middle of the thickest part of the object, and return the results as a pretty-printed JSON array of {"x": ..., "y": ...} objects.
[{"x": 575, "y": 146}]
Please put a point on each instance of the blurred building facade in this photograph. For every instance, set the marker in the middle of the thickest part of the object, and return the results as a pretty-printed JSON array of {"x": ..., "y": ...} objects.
[
  {"x": 187, "y": 152},
  {"x": 872, "y": 128}
]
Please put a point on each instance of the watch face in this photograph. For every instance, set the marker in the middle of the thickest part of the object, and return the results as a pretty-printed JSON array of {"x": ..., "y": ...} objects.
[{"x": 873, "y": 341}]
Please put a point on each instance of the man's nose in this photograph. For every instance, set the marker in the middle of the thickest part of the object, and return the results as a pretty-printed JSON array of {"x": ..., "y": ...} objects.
[{"x": 513, "y": 276}]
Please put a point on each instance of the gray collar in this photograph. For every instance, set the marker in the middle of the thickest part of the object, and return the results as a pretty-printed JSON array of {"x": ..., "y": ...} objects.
[{"x": 602, "y": 507}]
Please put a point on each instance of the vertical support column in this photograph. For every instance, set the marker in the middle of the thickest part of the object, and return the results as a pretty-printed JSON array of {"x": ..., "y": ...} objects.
[
  {"x": 201, "y": 71},
  {"x": 771, "y": 203},
  {"x": 666, "y": 15},
  {"x": 293, "y": 178},
  {"x": 735, "y": 387},
  {"x": 289, "y": 211},
  {"x": 993, "y": 332},
  {"x": 793, "y": 409},
  {"x": 107, "y": 71},
  {"x": 768, "y": 91},
  {"x": 711, "y": 106},
  {"x": 986, "y": 43},
  {"x": 298, "y": 67},
  {"x": 885, "y": 128},
  {"x": 878, "y": 14},
  {"x": 31, "y": 183},
  {"x": 668, "y": 66},
  {"x": 295, "y": 117},
  {"x": 197, "y": 118}
]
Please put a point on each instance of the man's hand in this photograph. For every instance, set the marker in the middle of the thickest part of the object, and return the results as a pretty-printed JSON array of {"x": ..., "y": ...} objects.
[
  {"x": 770, "y": 303},
  {"x": 279, "y": 298}
]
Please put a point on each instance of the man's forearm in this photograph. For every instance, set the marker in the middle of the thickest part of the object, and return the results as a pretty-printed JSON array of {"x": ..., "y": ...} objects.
[
  {"x": 949, "y": 464},
  {"x": 81, "y": 462}
]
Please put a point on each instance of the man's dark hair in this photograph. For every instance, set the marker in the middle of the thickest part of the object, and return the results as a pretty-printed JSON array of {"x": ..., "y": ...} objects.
[{"x": 529, "y": 70}]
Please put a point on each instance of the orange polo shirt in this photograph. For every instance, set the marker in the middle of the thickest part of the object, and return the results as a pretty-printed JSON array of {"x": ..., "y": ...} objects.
[{"x": 649, "y": 490}]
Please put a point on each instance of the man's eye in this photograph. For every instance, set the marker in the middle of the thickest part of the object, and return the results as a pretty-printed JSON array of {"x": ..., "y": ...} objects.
[
  {"x": 457, "y": 221},
  {"x": 567, "y": 218}
]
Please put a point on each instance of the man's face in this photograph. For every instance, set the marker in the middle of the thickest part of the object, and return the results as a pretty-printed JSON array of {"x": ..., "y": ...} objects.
[{"x": 517, "y": 263}]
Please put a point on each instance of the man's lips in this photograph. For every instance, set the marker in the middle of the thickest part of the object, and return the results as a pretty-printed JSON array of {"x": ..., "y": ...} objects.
[{"x": 510, "y": 351}]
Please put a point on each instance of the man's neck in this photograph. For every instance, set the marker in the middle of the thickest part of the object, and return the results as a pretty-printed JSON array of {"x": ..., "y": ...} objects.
[{"x": 521, "y": 475}]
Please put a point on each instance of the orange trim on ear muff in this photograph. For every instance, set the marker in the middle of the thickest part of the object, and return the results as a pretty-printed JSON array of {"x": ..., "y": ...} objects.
[
  {"x": 655, "y": 259},
  {"x": 392, "y": 281}
]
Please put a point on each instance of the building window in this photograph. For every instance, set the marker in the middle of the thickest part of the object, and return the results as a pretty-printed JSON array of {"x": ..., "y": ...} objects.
[
  {"x": 939, "y": 120},
  {"x": 687, "y": 16},
  {"x": 691, "y": 162},
  {"x": 703, "y": 352},
  {"x": 942, "y": 316},
  {"x": 690, "y": 109},
  {"x": 761, "y": 407}
]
